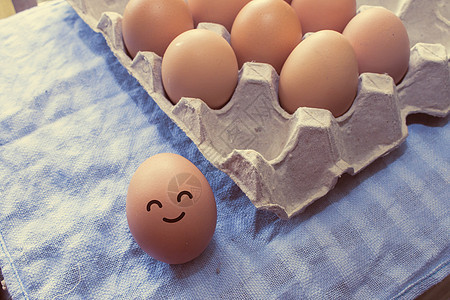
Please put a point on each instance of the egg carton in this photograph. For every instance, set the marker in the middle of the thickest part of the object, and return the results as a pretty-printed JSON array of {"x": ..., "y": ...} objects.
[{"x": 284, "y": 162}]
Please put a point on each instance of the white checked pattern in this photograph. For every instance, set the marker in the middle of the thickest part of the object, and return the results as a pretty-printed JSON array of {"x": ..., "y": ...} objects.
[{"x": 74, "y": 126}]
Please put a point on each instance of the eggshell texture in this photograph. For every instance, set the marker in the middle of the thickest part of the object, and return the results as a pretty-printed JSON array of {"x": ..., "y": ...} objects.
[
  {"x": 220, "y": 11},
  {"x": 321, "y": 72},
  {"x": 150, "y": 25},
  {"x": 200, "y": 64},
  {"x": 171, "y": 210},
  {"x": 318, "y": 15},
  {"x": 380, "y": 41},
  {"x": 265, "y": 31}
]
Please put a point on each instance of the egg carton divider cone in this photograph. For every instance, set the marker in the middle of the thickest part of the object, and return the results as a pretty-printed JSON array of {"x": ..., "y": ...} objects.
[{"x": 285, "y": 162}]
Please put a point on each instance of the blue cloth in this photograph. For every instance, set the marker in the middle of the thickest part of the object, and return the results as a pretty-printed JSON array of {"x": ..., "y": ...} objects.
[{"x": 74, "y": 126}]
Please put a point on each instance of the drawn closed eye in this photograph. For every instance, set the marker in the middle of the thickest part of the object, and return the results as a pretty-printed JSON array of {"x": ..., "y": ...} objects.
[
  {"x": 150, "y": 203},
  {"x": 182, "y": 193}
]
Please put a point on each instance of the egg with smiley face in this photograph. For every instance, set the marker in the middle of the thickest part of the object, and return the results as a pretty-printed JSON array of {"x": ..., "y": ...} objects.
[{"x": 171, "y": 210}]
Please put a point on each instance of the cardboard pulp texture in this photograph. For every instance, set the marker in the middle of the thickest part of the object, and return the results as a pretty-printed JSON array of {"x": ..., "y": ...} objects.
[{"x": 285, "y": 162}]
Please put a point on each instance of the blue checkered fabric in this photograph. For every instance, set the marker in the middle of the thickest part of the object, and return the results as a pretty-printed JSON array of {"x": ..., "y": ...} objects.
[{"x": 74, "y": 126}]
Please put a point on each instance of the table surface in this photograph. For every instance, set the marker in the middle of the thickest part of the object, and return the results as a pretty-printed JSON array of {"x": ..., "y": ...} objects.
[{"x": 74, "y": 126}]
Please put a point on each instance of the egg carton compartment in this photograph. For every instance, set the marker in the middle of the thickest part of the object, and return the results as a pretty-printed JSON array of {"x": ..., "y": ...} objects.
[{"x": 285, "y": 162}]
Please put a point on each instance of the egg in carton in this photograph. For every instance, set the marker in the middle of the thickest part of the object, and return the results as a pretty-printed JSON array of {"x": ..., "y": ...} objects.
[{"x": 284, "y": 162}]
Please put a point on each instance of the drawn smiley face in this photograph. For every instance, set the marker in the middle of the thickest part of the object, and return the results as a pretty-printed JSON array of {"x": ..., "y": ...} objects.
[
  {"x": 191, "y": 190},
  {"x": 171, "y": 210},
  {"x": 159, "y": 204}
]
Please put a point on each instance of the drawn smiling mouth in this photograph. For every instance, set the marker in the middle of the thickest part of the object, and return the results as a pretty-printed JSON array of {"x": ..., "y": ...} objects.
[{"x": 174, "y": 220}]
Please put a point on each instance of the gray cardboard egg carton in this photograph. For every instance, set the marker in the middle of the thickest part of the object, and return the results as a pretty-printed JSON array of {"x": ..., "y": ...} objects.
[{"x": 285, "y": 162}]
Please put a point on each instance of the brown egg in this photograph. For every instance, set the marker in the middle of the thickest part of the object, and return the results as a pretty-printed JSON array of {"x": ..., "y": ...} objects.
[
  {"x": 171, "y": 210},
  {"x": 150, "y": 25},
  {"x": 380, "y": 41},
  {"x": 318, "y": 15},
  {"x": 221, "y": 12},
  {"x": 265, "y": 31},
  {"x": 200, "y": 64},
  {"x": 321, "y": 72}
]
